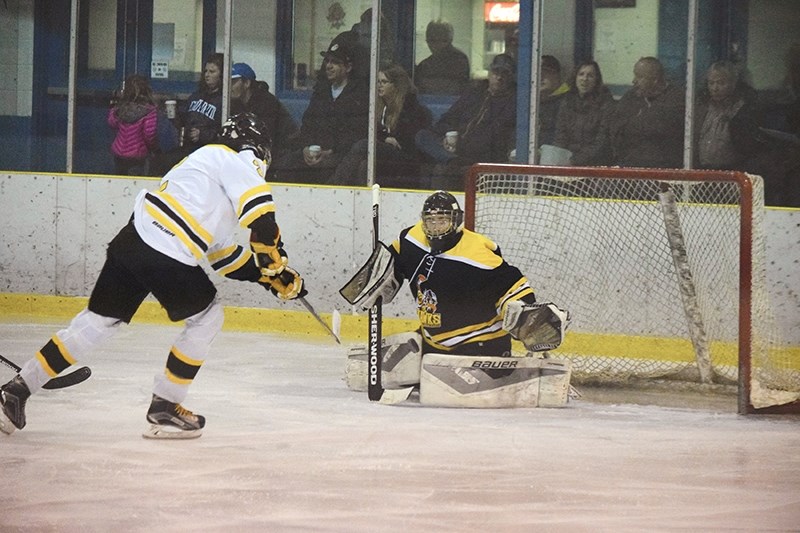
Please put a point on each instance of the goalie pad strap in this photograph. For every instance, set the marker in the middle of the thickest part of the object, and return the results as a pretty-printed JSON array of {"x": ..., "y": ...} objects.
[
  {"x": 402, "y": 354},
  {"x": 493, "y": 382}
]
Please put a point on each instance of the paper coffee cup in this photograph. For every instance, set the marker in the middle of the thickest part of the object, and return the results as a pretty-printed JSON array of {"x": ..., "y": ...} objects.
[
  {"x": 314, "y": 150},
  {"x": 171, "y": 106},
  {"x": 450, "y": 140}
]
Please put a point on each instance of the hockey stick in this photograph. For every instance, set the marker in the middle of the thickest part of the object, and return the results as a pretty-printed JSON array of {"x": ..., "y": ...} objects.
[
  {"x": 375, "y": 388},
  {"x": 67, "y": 380},
  {"x": 314, "y": 313}
]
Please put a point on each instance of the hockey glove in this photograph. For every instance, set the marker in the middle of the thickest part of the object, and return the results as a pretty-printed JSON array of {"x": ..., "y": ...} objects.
[
  {"x": 271, "y": 259},
  {"x": 287, "y": 285},
  {"x": 540, "y": 326}
]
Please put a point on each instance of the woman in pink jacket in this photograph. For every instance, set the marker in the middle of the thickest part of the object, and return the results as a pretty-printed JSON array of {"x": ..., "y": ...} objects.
[{"x": 134, "y": 118}]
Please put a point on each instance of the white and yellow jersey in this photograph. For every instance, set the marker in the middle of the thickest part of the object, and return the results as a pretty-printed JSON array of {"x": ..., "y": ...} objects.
[{"x": 201, "y": 201}]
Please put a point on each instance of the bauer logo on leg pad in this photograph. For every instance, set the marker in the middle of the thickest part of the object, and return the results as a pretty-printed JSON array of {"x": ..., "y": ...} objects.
[{"x": 492, "y": 382}]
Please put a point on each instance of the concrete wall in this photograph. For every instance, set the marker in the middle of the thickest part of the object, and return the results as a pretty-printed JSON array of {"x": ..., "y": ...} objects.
[{"x": 55, "y": 229}]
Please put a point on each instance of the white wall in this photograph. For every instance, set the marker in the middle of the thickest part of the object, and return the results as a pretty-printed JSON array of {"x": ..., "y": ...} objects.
[
  {"x": 55, "y": 230},
  {"x": 622, "y": 36}
]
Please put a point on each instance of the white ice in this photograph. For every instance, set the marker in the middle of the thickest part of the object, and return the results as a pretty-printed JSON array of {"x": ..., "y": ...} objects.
[{"x": 288, "y": 448}]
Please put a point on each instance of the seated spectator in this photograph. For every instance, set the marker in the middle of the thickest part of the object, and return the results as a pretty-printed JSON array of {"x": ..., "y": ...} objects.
[
  {"x": 483, "y": 119},
  {"x": 646, "y": 127},
  {"x": 336, "y": 117},
  {"x": 512, "y": 41},
  {"x": 552, "y": 91},
  {"x": 727, "y": 135},
  {"x": 580, "y": 126},
  {"x": 249, "y": 95},
  {"x": 401, "y": 116},
  {"x": 200, "y": 120},
  {"x": 446, "y": 70},
  {"x": 134, "y": 119},
  {"x": 358, "y": 39}
]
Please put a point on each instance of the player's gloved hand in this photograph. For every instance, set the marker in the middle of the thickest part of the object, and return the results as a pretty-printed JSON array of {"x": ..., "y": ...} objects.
[
  {"x": 271, "y": 259},
  {"x": 287, "y": 285}
]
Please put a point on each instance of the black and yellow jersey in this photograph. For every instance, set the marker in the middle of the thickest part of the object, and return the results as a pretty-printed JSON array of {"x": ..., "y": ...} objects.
[{"x": 461, "y": 293}]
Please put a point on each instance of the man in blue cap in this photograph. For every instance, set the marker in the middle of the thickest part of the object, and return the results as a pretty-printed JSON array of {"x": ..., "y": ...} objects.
[{"x": 249, "y": 95}]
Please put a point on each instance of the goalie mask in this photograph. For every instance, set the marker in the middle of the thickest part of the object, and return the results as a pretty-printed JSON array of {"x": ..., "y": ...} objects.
[
  {"x": 442, "y": 221},
  {"x": 246, "y": 131}
]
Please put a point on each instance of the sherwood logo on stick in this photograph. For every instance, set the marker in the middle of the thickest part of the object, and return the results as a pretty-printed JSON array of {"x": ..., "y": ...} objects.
[{"x": 373, "y": 346}]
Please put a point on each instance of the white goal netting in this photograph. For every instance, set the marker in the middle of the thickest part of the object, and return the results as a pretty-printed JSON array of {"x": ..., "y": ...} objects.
[{"x": 649, "y": 263}]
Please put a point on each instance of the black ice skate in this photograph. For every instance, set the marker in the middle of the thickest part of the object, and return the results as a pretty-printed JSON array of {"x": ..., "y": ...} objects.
[
  {"x": 13, "y": 396},
  {"x": 172, "y": 421}
]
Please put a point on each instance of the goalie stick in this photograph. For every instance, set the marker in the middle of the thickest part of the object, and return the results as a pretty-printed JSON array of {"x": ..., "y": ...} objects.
[
  {"x": 67, "y": 380},
  {"x": 375, "y": 389}
]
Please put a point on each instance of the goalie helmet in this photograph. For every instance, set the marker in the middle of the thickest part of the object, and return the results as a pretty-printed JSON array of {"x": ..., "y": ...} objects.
[
  {"x": 442, "y": 221},
  {"x": 246, "y": 131}
]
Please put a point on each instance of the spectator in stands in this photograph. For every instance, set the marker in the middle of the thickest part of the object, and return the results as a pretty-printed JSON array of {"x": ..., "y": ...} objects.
[
  {"x": 552, "y": 90},
  {"x": 134, "y": 118},
  {"x": 646, "y": 128},
  {"x": 200, "y": 120},
  {"x": 359, "y": 38},
  {"x": 401, "y": 117},
  {"x": 249, "y": 95},
  {"x": 446, "y": 70},
  {"x": 727, "y": 135},
  {"x": 336, "y": 117},
  {"x": 512, "y": 41},
  {"x": 483, "y": 120},
  {"x": 580, "y": 126}
]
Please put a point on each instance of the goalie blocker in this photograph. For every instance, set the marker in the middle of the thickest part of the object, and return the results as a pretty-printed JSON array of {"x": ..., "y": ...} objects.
[{"x": 463, "y": 381}]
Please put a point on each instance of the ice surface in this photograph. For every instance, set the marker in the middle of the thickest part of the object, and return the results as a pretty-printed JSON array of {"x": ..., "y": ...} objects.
[{"x": 288, "y": 448}]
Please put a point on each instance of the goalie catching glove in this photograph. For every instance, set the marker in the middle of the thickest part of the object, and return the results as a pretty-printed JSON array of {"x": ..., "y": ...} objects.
[
  {"x": 287, "y": 285},
  {"x": 539, "y": 326},
  {"x": 373, "y": 280}
]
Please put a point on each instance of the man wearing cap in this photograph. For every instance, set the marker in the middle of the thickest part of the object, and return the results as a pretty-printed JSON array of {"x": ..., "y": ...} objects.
[
  {"x": 484, "y": 118},
  {"x": 446, "y": 70},
  {"x": 336, "y": 117},
  {"x": 251, "y": 96},
  {"x": 552, "y": 90}
]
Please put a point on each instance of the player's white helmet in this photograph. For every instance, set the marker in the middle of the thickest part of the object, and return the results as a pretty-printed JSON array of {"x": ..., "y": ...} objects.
[
  {"x": 246, "y": 131},
  {"x": 442, "y": 221}
]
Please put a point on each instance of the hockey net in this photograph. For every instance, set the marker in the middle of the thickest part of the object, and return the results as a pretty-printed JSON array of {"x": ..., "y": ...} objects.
[{"x": 663, "y": 271}]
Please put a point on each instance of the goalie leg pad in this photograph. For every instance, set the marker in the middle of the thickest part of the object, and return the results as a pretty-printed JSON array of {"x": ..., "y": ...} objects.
[
  {"x": 402, "y": 355},
  {"x": 473, "y": 382}
]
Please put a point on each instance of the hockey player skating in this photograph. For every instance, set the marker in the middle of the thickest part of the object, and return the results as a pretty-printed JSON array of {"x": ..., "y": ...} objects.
[
  {"x": 470, "y": 303},
  {"x": 191, "y": 217}
]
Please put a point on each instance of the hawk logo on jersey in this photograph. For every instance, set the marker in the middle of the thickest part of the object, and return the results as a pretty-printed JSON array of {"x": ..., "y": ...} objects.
[{"x": 426, "y": 308}]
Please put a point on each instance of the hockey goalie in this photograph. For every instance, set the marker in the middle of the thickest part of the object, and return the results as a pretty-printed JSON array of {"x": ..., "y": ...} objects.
[{"x": 470, "y": 304}]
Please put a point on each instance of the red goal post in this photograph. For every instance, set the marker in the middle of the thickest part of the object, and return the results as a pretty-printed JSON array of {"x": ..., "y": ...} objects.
[{"x": 664, "y": 272}]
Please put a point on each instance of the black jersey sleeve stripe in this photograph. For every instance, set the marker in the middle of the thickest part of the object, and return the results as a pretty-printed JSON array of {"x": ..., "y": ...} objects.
[{"x": 164, "y": 208}]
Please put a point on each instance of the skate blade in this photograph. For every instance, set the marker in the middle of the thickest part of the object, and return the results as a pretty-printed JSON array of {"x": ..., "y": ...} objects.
[
  {"x": 6, "y": 426},
  {"x": 168, "y": 432}
]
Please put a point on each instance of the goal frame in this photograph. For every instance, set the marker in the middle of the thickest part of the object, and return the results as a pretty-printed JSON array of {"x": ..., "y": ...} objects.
[{"x": 744, "y": 183}]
